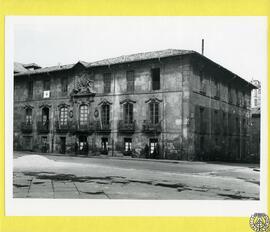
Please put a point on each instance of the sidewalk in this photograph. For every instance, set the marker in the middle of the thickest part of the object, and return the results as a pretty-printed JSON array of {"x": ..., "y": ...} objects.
[{"x": 138, "y": 159}]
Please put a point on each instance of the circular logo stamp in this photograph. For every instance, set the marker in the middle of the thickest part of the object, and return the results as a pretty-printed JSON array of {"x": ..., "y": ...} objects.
[{"x": 259, "y": 222}]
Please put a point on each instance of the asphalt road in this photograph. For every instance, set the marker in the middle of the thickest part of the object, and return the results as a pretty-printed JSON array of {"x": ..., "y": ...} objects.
[{"x": 54, "y": 176}]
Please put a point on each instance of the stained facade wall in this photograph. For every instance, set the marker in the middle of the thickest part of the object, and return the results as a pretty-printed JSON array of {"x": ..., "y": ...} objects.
[{"x": 179, "y": 99}]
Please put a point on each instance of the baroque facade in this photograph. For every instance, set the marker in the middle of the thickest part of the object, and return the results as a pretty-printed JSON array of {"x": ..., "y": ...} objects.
[{"x": 172, "y": 104}]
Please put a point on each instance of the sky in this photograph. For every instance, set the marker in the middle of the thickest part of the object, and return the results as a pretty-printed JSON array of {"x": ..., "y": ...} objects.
[{"x": 237, "y": 43}]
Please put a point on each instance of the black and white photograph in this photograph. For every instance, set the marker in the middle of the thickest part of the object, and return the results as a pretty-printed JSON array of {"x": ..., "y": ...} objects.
[{"x": 138, "y": 108}]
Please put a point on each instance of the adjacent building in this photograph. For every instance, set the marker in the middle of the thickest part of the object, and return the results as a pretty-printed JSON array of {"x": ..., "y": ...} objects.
[
  {"x": 255, "y": 128},
  {"x": 172, "y": 104}
]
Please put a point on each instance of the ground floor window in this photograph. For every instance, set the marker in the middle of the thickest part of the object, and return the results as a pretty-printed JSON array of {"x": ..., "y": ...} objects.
[
  {"x": 153, "y": 146},
  {"x": 127, "y": 143},
  {"x": 63, "y": 145},
  {"x": 83, "y": 144},
  {"x": 104, "y": 145},
  {"x": 27, "y": 143},
  {"x": 44, "y": 144}
]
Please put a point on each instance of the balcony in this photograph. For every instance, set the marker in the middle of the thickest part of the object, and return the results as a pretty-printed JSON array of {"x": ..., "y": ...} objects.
[
  {"x": 43, "y": 127},
  {"x": 152, "y": 128},
  {"x": 103, "y": 127},
  {"x": 62, "y": 128},
  {"x": 87, "y": 127},
  {"x": 126, "y": 127},
  {"x": 26, "y": 127}
]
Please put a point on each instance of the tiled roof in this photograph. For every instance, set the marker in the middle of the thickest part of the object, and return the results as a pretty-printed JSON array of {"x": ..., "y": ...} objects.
[
  {"x": 46, "y": 69},
  {"x": 131, "y": 58},
  {"x": 140, "y": 56},
  {"x": 31, "y": 65},
  {"x": 111, "y": 61},
  {"x": 19, "y": 67}
]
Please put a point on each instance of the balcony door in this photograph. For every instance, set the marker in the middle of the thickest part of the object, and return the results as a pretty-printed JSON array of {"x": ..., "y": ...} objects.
[
  {"x": 83, "y": 115},
  {"x": 45, "y": 116},
  {"x": 128, "y": 113}
]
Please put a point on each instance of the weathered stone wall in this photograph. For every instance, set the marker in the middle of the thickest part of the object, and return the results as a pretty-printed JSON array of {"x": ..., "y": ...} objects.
[
  {"x": 174, "y": 140},
  {"x": 220, "y": 136}
]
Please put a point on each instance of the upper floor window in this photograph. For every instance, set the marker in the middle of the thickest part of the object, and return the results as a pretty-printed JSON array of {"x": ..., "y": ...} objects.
[
  {"x": 46, "y": 88},
  {"x": 30, "y": 89},
  {"x": 202, "y": 82},
  {"x": 154, "y": 112},
  {"x": 64, "y": 85},
  {"x": 105, "y": 114},
  {"x": 230, "y": 93},
  {"x": 45, "y": 115},
  {"x": 128, "y": 113},
  {"x": 28, "y": 116},
  {"x": 63, "y": 116},
  {"x": 46, "y": 85},
  {"x": 237, "y": 95},
  {"x": 155, "y": 74},
  {"x": 107, "y": 82},
  {"x": 217, "y": 89},
  {"x": 201, "y": 119},
  {"x": 83, "y": 115},
  {"x": 130, "y": 81}
]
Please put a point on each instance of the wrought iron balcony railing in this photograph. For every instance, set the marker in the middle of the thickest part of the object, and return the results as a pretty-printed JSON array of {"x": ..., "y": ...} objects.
[
  {"x": 26, "y": 127},
  {"x": 103, "y": 127},
  {"x": 85, "y": 127},
  {"x": 43, "y": 127},
  {"x": 149, "y": 127},
  {"x": 126, "y": 127},
  {"x": 62, "y": 127}
]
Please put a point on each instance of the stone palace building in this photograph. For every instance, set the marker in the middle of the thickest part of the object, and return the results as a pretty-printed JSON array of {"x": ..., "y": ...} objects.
[{"x": 171, "y": 104}]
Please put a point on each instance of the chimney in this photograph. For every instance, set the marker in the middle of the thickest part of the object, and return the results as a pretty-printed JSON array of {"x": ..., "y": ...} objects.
[{"x": 202, "y": 46}]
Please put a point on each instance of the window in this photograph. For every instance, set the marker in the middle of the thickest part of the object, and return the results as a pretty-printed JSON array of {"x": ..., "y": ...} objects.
[
  {"x": 46, "y": 85},
  {"x": 255, "y": 102},
  {"x": 105, "y": 114},
  {"x": 237, "y": 97},
  {"x": 107, "y": 82},
  {"x": 30, "y": 88},
  {"x": 154, "y": 112},
  {"x": 45, "y": 116},
  {"x": 127, "y": 143},
  {"x": 153, "y": 146},
  {"x": 83, "y": 115},
  {"x": 63, "y": 116},
  {"x": 128, "y": 113},
  {"x": 202, "y": 82},
  {"x": 244, "y": 126},
  {"x": 104, "y": 143},
  {"x": 155, "y": 78},
  {"x": 130, "y": 81},
  {"x": 28, "y": 116},
  {"x": 237, "y": 125},
  {"x": 229, "y": 93},
  {"x": 217, "y": 88},
  {"x": 201, "y": 120},
  {"x": 64, "y": 85}
]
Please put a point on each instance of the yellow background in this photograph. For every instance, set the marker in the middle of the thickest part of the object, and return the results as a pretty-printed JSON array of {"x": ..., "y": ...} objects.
[{"x": 120, "y": 7}]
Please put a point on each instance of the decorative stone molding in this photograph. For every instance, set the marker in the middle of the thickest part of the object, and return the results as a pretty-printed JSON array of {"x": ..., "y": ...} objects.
[
  {"x": 127, "y": 100},
  {"x": 45, "y": 106},
  {"x": 153, "y": 99},
  {"x": 105, "y": 102},
  {"x": 27, "y": 106}
]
